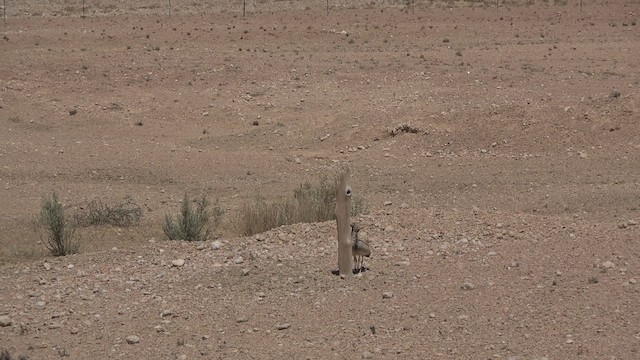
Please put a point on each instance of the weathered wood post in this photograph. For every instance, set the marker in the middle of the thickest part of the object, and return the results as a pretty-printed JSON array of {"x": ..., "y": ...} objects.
[{"x": 343, "y": 210}]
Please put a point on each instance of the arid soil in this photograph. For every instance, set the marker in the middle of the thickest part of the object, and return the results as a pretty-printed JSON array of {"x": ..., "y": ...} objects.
[{"x": 503, "y": 226}]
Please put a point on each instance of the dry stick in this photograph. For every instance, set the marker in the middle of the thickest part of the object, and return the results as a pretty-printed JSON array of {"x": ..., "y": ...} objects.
[
  {"x": 343, "y": 209},
  {"x": 83, "y": 8},
  {"x": 580, "y": 5},
  {"x": 4, "y": 12},
  {"x": 169, "y": 7},
  {"x": 327, "y": 7},
  {"x": 244, "y": 7}
]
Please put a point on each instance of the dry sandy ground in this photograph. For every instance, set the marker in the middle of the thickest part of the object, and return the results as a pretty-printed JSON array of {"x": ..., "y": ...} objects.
[{"x": 506, "y": 228}]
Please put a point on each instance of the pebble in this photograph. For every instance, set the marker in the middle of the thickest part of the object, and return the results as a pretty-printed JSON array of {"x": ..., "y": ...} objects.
[
  {"x": 260, "y": 237},
  {"x": 54, "y": 325},
  {"x": 5, "y": 321},
  {"x": 387, "y": 295},
  {"x": 200, "y": 245},
  {"x": 216, "y": 245},
  {"x": 367, "y": 355},
  {"x": 245, "y": 272},
  {"x": 283, "y": 326},
  {"x": 403, "y": 263},
  {"x": 41, "y": 304},
  {"x": 608, "y": 264},
  {"x": 177, "y": 262},
  {"x": 389, "y": 228},
  {"x": 182, "y": 357},
  {"x": 467, "y": 286},
  {"x": 133, "y": 339},
  {"x": 242, "y": 319},
  {"x": 74, "y": 331},
  {"x": 388, "y": 203},
  {"x": 47, "y": 266},
  {"x": 238, "y": 260}
]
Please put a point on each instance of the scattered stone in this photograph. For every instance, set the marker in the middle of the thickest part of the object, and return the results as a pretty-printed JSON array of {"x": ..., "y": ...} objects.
[
  {"x": 389, "y": 228},
  {"x": 242, "y": 319},
  {"x": 133, "y": 339},
  {"x": 283, "y": 326},
  {"x": 297, "y": 160},
  {"x": 514, "y": 264},
  {"x": 404, "y": 206},
  {"x": 182, "y": 357},
  {"x": 238, "y": 260},
  {"x": 633, "y": 281},
  {"x": 632, "y": 223},
  {"x": 41, "y": 304},
  {"x": 54, "y": 325},
  {"x": 608, "y": 265},
  {"x": 5, "y": 321},
  {"x": 47, "y": 266},
  {"x": 200, "y": 245},
  {"x": 467, "y": 286},
  {"x": 403, "y": 263},
  {"x": 558, "y": 273},
  {"x": 74, "y": 331},
  {"x": 387, "y": 295},
  {"x": 167, "y": 312},
  {"x": 260, "y": 237},
  {"x": 593, "y": 280},
  {"x": 216, "y": 245},
  {"x": 177, "y": 262},
  {"x": 388, "y": 203},
  {"x": 492, "y": 253},
  {"x": 245, "y": 272},
  {"x": 367, "y": 355},
  {"x": 432, "y": 315}
]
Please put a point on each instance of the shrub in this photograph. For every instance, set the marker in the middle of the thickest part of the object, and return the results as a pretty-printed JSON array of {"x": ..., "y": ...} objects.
[
  {"x": 192, "y": 224},
  {"x": 60, "y": 233},
  {"x": 310, "y": 203},
  {"x": 98, "y": 213}
]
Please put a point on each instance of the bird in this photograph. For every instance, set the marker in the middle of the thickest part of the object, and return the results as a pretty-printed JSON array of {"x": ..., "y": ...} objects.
[{"x": 359, "y": 248}]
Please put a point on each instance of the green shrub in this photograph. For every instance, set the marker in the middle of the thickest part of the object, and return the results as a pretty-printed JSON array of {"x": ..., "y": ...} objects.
[
  {"x": 192, "y": 224},
  {"x": 60, "y": 233}
]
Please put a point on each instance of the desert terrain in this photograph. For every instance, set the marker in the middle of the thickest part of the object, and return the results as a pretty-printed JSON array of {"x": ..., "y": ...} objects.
[{"x": 504, "y": 224}]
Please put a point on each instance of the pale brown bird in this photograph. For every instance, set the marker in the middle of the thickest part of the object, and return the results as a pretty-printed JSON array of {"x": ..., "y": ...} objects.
[{"x": 359, "y": 248}]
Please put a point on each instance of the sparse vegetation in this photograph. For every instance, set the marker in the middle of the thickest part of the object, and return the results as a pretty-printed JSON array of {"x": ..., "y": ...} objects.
[
  {"x": 403, "y": 128},
  {"x": 192, "y": 224},
  {"x": 61, "y": 239},
  {"x": 310, "y": 203},
  {"x": 97, "y": 212}
]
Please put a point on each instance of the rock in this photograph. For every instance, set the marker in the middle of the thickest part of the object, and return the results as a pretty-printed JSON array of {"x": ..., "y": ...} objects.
[
  {"x": 47, "y": 266},
  {"x": 41, "y": 304},
  {"x": 245, "y": 272},
  {"x": 182, "y": 357},
  {"x": 133, "y": 339},
  {"x": 283, "y": 326},
  {"x": 74, "y": 331},
  {"x": 632, "y": 223},
  {"x": 177, "y": 262},
  {"x": 238, "y": 260},
  {"x": 492, "y": 253},
  {"x": 5, "y": 321},
  {"x": 297, "y": 160},
  {"x": 367, "y": 355},
  {"x": 403, "y": 263},
  {"x": 200, "y": 245},
  {"x": 389, "y": 228},
  {"x": 216, "y": 245},
  {"x": 404, "y": 206},
  {"x": 260, "y": 237},
  {"x": 608, "y": 265},
  {"x": 387, "y": 295},
  {"x": 388, "y": 203},
  {"x": 242, "y": 319},
  {"x": 467, "y": 286},
  {"x": 55, "y": 325}
]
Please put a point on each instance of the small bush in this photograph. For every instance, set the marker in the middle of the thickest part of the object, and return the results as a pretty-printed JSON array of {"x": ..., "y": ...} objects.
[
  {"x": 60, "y": 233},
  {"x": 310, "y": 203},
  {"x": 98, "y": 213},
  {"x": 192, "y": 224}
]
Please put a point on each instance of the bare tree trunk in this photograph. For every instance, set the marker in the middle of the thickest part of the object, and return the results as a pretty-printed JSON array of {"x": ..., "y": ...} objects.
[{"x": 343, "y": 210}]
